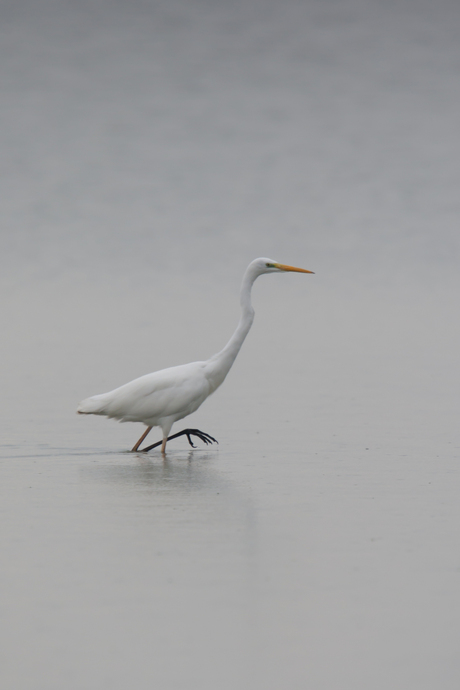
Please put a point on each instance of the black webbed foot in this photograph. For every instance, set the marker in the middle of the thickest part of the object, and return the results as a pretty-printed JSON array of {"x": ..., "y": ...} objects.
[{"x": 206, "y": 438}]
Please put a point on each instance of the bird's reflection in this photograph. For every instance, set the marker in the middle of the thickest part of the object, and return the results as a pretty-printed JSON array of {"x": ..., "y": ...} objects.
[
  {"x": 173, "y": 471},
  {"x": 184, "y": 498}
]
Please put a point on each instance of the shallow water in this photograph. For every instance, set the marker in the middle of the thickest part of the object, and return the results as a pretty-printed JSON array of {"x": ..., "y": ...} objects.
[{"x": 150, "y": 152}]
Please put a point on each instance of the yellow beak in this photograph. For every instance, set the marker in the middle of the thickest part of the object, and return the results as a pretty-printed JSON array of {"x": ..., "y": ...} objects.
[{"x": 283, "y": 267}]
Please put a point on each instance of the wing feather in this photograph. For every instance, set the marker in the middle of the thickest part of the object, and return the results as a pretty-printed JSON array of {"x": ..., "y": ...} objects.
[{"x": 173, "y": 392}]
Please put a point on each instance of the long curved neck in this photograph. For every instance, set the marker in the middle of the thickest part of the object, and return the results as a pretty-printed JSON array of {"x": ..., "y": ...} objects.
[{"x": 221, "y": 362}]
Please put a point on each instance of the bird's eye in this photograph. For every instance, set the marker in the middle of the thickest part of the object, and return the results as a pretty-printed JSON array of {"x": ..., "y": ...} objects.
[{"x": 270, "y": 265}]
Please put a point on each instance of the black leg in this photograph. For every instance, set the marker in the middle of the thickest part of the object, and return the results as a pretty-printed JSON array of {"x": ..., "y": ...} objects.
[{"x": 206, "y": 438}]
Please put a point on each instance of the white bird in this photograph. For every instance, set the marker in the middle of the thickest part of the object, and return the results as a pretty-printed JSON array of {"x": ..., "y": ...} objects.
[{"x": 164, "y": 397}]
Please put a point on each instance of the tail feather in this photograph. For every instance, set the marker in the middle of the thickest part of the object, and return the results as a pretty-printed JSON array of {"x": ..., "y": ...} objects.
[{"x": 94, "y": 405}]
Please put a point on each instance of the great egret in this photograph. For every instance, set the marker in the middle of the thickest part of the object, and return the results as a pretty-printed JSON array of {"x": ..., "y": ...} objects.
[{"x": 164, "y": 397}]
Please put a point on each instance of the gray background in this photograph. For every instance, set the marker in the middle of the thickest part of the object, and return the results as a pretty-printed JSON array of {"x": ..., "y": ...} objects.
[{"x": 150, "y": 150}]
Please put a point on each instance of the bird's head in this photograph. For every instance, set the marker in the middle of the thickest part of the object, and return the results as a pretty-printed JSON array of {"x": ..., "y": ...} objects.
[{"x": 264, "y": 265}]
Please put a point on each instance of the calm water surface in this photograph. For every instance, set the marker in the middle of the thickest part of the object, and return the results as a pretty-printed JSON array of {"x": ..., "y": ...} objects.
[{"x": 150, "y": 151}]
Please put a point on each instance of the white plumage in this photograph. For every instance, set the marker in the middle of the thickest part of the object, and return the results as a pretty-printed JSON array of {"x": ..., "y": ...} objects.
[{"x": 164, "y": 397}]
